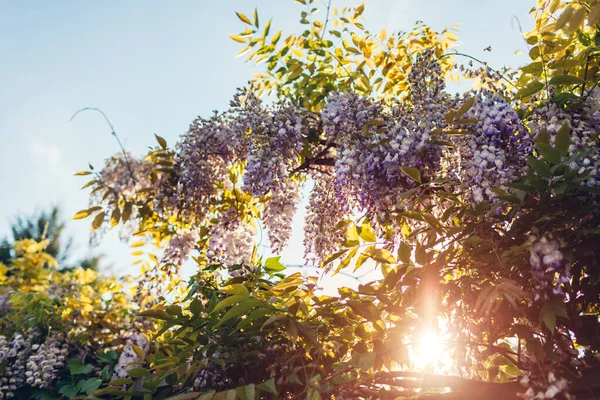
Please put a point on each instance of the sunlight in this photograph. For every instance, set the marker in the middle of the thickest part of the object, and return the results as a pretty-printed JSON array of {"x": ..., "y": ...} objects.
[{"x": 429, "y": 350}]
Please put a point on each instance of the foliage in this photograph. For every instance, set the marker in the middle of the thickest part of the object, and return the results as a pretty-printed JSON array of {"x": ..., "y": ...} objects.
[
  {"x": 48, "y": 316},
  {"x": 40, "y": 226},
  {"x": 307, "y": 67},
  {"x": 480, "y": 211}
]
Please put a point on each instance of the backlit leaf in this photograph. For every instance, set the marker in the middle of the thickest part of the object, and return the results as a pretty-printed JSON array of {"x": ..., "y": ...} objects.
[
  {"x": 237, "y": 38},
  {"x": 412, "y": 173},
  {"x": 243, "y": 18}
]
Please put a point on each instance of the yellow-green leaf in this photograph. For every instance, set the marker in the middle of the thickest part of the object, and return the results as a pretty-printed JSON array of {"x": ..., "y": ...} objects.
[
  {"x": 237, "y": 38},
  {"x": 380, "y": 255},
  {"x": 138, "y": 372},
  {"x": 565, "y": 80},
  {"x": 529, "y": 90},
  {"x": 115, "y": 217},
  {"x": 466, "y": 106},
  {"x": 563, "y": 139},
  {"x": 236, "y": 288},
  {"x": 229, "y": 301},
  {"x": 161, "y": 141},
  {"x": 98, "y": 220},
  {"x": 82, "y": 214},
  {"x": 243, "y": 18},
  {"x": 412, "y": 173},
  {"x": 594, "y": 15}
]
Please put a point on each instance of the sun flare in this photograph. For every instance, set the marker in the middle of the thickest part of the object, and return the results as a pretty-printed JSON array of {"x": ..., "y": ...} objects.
[{"x": 428, "y": 350}]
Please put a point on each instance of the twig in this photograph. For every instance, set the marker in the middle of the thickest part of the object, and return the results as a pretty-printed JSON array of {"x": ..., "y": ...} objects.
[
  {"x": 479, "y": 61},
  {"x": 112, "y": 131},
  {"x": 312, "y": 160}
]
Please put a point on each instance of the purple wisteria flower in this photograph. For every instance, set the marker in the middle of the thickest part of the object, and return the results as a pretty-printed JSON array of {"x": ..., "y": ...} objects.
[{"x": 494, "y": 154}]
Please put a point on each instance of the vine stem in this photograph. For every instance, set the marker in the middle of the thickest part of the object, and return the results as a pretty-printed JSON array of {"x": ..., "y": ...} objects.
[
  {"x": 112, "y": 132},
  {"x": 479, "y": 61}
]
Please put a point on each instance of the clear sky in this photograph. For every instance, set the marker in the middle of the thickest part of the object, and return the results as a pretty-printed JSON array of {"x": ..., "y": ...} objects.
[{"x": 152, "y": 66}]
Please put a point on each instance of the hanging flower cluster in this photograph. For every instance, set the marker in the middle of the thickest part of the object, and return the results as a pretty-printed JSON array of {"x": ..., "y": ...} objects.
[
  {"x": 548, "y": 269},
  {"x": 231, "y": 240},
  {"x": 279, "y": 213},
  {"x": 128, "y": 356},
  {"x": 373, "y": 144},
  {"x": 29, "y": 362},
  {"x": 274, "y": 145},
  {"x": 202, "y": 163},
  {"x": 180, "y": 246},
  {"x": 322, "y": 214},
  {"x": 584, "y": 123},
  {"x": 124, "y": 175},
  {"x": 123, "y": 178},
  {"x": 545, "y": 380},
  {"x": 494, "y": 154},
  {"x": 46, "y": 359}
]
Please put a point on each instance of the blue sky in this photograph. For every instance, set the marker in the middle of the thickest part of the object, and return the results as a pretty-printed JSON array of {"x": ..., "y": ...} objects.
[{"x": 153, "y": 66}]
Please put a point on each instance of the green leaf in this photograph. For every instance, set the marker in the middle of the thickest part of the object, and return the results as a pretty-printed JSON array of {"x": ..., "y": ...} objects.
[
  {"x": 412, "y": 173},
  {"x": 529, "y": 90},
  {"x": 548, "y": 317},
  {"x": 77, "y": 367},
  {"x": 433, "y": 221},
  {"x": 466, "y": 106},
  {"x": 352, "y": 235},
  {"x": 247, "y": 392},
  {"x": 365, "y": 309},
  {"x": 273, "y": 264},
  {"x": 549, "y": 153},
  {"x": 83, "y": 173},
  {"x": 346, "y": 261},
  {"x": 239, "y": 309},
  {"x": 565, "y": 80},
  {"x": 196, "y": 307},
  {"x": 109, "y": 357},
  {"x": 91, "y": 385},
  {"x": 158, "y": 314},
  {"x": 127, "y": 211},
  {"x": 188, "y": 396},
  {"x": 138, "y": 372},
  {"x": 534, "y": 68},
  {"x": 121, "y": 382},
  {"x": 229, "y": 301},
  {"x": 364, "y": 361},
  {"x": 90, "y": 183},
  {"x": 543, "y": 137},
  {"x": 539, "y": 166},
  {"x": 69, "y": 391},
  {"x": 162, "y": 142},
  {"x": 563, "y": 139},
  {"x": 268, "y": 386},
  {"x": 174, "y": 310},
  {"x": 253, "y": 316}
]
